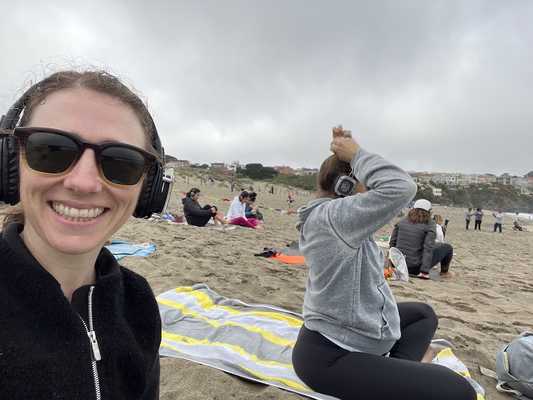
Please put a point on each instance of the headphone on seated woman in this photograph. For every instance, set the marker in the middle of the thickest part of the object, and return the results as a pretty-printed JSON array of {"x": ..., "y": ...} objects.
[
  {"x": 154, "y": 194},
  {"x": 345, "y": 186}
]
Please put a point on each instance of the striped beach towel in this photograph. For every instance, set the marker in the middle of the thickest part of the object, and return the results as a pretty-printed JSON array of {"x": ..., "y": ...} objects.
[{"x": 253, "y": 341}]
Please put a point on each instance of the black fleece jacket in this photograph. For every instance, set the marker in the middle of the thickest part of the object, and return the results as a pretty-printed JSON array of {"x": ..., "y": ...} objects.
[{"x": 45, "y": 352}]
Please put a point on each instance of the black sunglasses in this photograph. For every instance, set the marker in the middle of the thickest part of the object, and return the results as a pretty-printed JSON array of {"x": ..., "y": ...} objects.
[{"x": 53, "y": 151}]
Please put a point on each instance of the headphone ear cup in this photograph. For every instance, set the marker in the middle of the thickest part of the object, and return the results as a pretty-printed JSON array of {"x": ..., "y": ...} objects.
[
  {"x": 9, "y": 173},
  {"x": 151, "y": 186}
]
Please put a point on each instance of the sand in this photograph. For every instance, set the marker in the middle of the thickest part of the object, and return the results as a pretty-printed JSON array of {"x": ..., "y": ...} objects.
[{"x": 487, "y": 303}]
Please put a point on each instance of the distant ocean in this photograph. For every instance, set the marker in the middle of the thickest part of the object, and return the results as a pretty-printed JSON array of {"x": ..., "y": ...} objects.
[{"x": 529, "y": 217}]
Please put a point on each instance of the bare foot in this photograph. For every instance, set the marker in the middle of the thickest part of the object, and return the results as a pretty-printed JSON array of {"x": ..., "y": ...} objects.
[
  {"x": 431, "y": 352},
  {"x": 446, "y": 274},
  {"x": 423, "y": 275}
]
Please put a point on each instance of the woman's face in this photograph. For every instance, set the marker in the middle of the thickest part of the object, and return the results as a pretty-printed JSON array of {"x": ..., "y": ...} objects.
[{"x": 95, "y": 117}]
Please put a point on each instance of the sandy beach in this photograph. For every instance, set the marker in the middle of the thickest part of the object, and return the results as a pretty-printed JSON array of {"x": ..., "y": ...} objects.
[{"x": 487, "y": 303}]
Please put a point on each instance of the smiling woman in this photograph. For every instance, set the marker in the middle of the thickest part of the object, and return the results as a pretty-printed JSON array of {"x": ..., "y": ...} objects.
[{"x": 83, "y": 158}]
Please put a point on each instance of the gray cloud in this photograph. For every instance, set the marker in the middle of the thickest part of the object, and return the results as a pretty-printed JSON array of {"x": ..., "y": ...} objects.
[{"x": 441, "y": 85}]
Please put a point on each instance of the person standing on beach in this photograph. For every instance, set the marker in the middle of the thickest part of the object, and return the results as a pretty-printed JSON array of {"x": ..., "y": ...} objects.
[
  {"x": 498, "y": 220},
  {"x": 468, "y": 216},
  {"x": 84, "y": 156},
  {"x": 478, "y": 218},
  {"x": 356, "y": 341}
]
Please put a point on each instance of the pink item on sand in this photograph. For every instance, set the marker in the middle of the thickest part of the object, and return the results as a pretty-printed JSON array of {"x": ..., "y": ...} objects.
[{"x": 247, "y": 222}]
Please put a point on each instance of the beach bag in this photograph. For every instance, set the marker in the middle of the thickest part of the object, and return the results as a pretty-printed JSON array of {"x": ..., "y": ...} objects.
[
  {"x": 514, "y": 367},
  {"x": 400, "y": 272}
]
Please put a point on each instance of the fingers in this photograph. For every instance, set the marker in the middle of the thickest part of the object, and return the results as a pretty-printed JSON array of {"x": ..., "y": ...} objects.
[{"x": 337, "y": 131}]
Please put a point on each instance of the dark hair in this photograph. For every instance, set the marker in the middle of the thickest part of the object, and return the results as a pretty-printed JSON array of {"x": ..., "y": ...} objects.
[
  {"x": 438, "y": 219},
  {"x": 418, "y": 216},
  {"x": 192, "y": 192},
  {"x": 329, "y": 171},
  {"x": 244, "y": 195},
  {"x": 99, "y": 81},
  {"x": 252, "y": 196}
]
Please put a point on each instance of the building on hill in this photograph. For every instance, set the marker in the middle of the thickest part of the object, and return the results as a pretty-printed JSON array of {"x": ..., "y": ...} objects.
[
  {"x": 284, "y": 170},
  {"x": 504, "y": 179},
  {"x": 306, "y": 171},
  {"x": 529, "y": 177},
  {"x": 178, "y": 163},
  {"x": 519, "y": 181},
  {"x": 421, "y": 177},
  {"x": 437, "y": 192},
  {"x": 487, "y": 179},
  {"x": 219, "y": 166}
]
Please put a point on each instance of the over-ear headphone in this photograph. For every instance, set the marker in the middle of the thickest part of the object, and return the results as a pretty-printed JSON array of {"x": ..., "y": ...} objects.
[
  {"x": 345, "y": 186},
  {"x": 157, "y": 185}
]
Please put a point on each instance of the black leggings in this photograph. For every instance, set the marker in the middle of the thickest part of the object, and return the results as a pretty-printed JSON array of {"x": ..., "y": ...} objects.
[
  {"x": 477, "y": 225},
  {"x": 329, "y": 369}
]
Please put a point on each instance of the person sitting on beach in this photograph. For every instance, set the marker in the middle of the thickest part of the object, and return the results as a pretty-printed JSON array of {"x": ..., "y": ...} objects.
[
  {"x": 251, "y": 209},
  {"x": 356, "y": 341},
  {"x": 197, "y": 215},
  {"x": 478, "y": 218},
  {"x": 517, "y": 225},
  {"x": 468, "y": 216},
  {"x": 498, "y": 220},
  {"x": 236, "y": 214},
  {"x": 74, "y": 324},
  {"x": 415, "y": 237},
  {"x": 440, "y": 229}
]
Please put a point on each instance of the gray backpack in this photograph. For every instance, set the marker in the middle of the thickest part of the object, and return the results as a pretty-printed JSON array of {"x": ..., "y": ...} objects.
[{"x": 514, "y": 367}]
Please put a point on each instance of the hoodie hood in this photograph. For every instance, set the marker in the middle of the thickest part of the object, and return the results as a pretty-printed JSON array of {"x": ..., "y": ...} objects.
[{"x": 305, "y": 211}]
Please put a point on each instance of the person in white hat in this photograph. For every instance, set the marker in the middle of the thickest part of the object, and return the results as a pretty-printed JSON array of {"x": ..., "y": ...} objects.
[{"x": 415, "y": 237}]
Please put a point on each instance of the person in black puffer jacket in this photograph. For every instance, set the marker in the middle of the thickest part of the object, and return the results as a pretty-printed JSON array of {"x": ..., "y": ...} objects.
[
  {"x": 197, "y": 215},
  {"x": 415, "y": 237},
  {"x": 74, "y": 324}
]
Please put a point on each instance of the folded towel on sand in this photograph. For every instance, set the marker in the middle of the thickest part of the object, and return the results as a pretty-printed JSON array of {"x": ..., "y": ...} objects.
[
  {"x": 253, "y": 341},
  {"x": 121, "y": 249}
]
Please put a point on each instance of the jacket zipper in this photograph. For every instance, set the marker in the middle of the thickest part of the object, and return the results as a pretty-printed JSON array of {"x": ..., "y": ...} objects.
[{"x": 95, "y": 350}]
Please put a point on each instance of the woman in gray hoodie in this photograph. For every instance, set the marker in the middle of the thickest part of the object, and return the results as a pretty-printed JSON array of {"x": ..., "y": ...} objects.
[{"x": 356, "y": 342}]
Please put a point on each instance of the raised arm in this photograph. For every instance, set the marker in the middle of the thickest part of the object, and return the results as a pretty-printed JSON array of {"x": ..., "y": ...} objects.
[{"x": 389, "y": 190}]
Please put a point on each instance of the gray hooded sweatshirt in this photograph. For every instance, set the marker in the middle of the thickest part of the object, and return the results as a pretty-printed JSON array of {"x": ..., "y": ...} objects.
[{"x": 347, "y": 298}]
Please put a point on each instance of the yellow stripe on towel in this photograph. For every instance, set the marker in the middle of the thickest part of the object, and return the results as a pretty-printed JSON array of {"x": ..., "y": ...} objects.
[
  {"x": 206, "y": 303},
  {"x": 186, "y": 340},
  {"x": 280, "y": 341}
]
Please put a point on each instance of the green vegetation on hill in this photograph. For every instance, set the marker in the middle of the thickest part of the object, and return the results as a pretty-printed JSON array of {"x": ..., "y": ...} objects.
[
  {"x": 306, "y": 182},
  {"x": 506, "y": 197}
]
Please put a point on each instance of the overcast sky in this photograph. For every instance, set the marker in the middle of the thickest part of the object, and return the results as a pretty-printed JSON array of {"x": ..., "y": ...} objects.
[{"x": 440, "y": 85}]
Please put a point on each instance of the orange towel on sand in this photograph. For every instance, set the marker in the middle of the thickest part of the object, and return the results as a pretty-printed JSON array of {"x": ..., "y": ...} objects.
[{"x": 296, "y": 260}]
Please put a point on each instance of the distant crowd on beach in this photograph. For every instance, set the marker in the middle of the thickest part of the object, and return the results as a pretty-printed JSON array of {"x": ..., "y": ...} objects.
[{"x": 498, "y": 215}]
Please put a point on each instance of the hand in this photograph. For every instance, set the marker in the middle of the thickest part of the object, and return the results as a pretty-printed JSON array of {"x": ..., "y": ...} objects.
[
  {"x": 344, "y": 148},
  {"x": 338, "y": 131}
]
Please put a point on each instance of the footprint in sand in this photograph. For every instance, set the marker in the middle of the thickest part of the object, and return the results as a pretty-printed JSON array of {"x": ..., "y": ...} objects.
[{"x": 461, "y": 306}]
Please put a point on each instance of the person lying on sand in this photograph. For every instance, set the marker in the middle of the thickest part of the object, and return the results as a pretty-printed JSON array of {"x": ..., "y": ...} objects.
[{"x": 356, "y": 341}]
